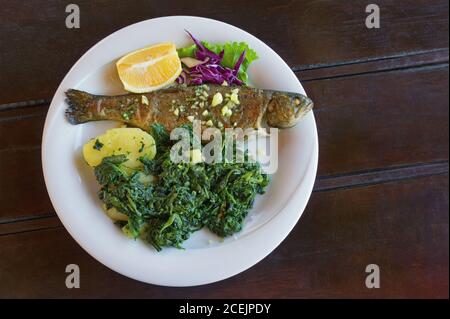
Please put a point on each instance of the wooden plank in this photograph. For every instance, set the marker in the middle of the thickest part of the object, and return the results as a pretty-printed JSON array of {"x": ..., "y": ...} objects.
[
  {"x": 22, "y": 104},
  {"x": 22, "y": 189},
  {"x": 30, "y": 224},
  {"x": 21, "y": 128},
  {"x": 381, "y": 119},
  {"x": 18, "y": 112},
  {"x": 382, "y": 128},
  {"x": 307, "y": 34},
  {"x": 401, "y": 226},
  {"x": 377, "y": 176},
  {"x": 378, "y": 65}
]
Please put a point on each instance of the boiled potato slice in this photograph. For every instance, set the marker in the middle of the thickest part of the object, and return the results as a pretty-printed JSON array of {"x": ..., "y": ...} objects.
[{"x": 132, "y": 142}]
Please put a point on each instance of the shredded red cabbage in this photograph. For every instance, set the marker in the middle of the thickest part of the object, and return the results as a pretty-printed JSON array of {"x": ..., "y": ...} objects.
[{"x": 210, "y": 70}]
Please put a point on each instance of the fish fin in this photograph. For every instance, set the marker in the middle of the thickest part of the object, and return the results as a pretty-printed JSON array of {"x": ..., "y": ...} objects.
[{"x": 78, "y": 102}]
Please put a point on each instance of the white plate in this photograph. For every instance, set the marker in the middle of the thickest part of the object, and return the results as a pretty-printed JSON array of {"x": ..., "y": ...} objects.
[{"x": 72, "y": 186}]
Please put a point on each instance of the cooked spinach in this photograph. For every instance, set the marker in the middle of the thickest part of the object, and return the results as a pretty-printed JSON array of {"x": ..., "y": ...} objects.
[
  {"x": 183, "y": 198},
  {"x": 98, "y": 145}
]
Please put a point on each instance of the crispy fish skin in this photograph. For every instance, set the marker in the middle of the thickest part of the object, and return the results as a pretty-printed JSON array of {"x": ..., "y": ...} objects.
[{"x": 177, "y": 105}]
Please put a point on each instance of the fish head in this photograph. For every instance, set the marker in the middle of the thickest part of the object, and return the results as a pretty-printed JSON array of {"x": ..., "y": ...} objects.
[{"x": 285, "y": 110}]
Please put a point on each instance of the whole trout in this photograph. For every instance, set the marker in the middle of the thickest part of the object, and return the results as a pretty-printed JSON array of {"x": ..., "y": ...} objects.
[{"x": 214, "y": 105}]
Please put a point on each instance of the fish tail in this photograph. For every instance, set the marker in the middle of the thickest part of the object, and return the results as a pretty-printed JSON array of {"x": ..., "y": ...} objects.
[{"x": 78, "y": 110}]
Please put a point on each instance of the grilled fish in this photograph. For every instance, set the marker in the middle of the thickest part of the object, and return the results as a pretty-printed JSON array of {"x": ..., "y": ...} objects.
[{"x": 214, "y": 105}]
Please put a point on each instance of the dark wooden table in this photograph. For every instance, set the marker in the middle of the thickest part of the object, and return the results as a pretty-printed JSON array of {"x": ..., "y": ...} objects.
[{"x": 382, "y": 105}]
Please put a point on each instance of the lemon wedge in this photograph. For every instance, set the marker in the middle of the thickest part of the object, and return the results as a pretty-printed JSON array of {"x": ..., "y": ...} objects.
[{"x": 150, "y": 68}]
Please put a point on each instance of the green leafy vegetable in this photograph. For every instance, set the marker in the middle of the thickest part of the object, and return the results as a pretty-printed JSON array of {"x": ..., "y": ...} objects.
[
  {"x": 232, "y": 51},
  {"x": 98, "y": 145},
  {"x": 188, "y": 52},
  {"x": 160, "y": 135},
  {"x": 111, "y": 170},
  {"x": 184, "y": 198}
]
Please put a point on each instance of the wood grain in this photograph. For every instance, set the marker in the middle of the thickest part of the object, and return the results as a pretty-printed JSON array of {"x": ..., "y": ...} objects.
[
  {"x": 30, "y": 224},
  {"x": 395, "y": 226},
  {"x": 381, "y": 119},
  {"x": 378, "y": 176},
  {"x": 306, "y": 33},
  {"x": 429, "y": 58},
  {"x": 22, "y": 189}
]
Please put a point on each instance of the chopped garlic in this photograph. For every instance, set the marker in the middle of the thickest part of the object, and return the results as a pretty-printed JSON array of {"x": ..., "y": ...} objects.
[
  {"x": 225, "y": 110},
  {"x": 224, "y": 83},
  {"x": 191, "y": 118},
  {"x": 144, "y": 100},
  {"x": 209, "y": 123},
  {"x": 217, "y": 99},
  {"x": 176, "y": 112},
  {"x": 230, "y": 105},
  {"x": 234, "y": 98},
  {"x": 205, "y": 113}
]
